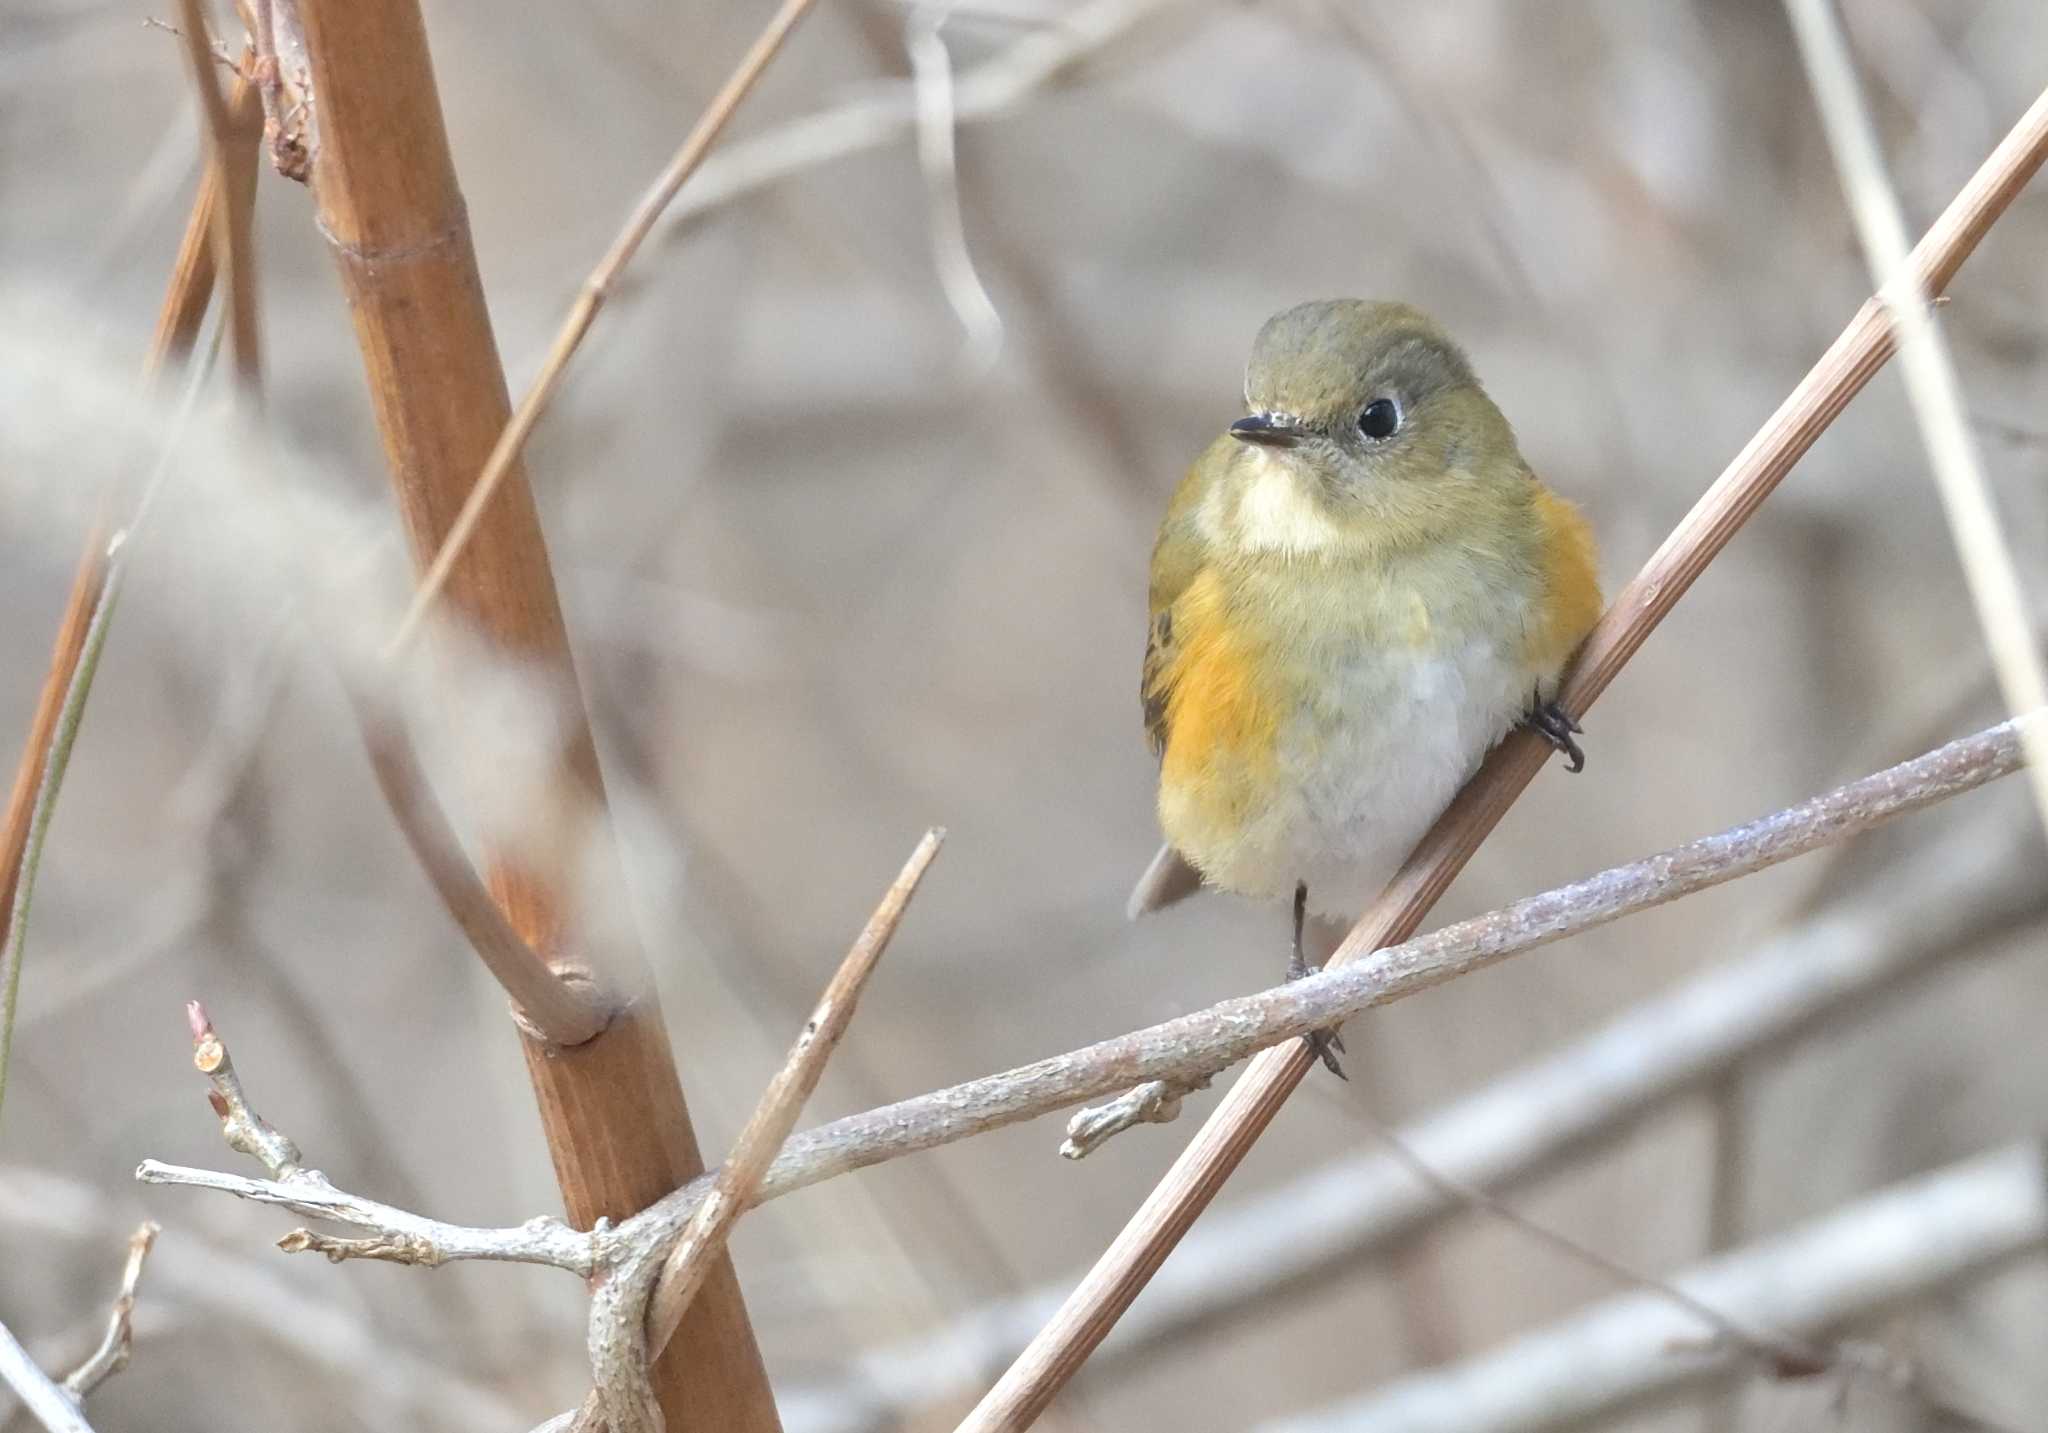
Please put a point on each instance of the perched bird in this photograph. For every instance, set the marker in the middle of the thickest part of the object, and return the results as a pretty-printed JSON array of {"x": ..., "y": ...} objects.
[{"x": 1356, "y": 592}]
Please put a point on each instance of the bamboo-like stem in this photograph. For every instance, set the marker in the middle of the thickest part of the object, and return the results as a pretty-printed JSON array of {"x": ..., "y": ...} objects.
[
  {"x": 1063, "y": 1345},
  {"x": 385, "y": 187},
  {"x": 504, "y": 454}
]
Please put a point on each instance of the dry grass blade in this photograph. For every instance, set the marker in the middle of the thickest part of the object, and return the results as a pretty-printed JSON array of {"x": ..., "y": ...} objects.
[
  {"x": 1064, "y": 1344},
  {"x": 739, "y": 1178},
  {"x": 1931, "y": 382},
  {"x": 596, "y": 289}
]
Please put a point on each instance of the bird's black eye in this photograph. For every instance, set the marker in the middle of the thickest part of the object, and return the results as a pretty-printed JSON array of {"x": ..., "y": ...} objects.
[{"x": 1379, "y": 419}]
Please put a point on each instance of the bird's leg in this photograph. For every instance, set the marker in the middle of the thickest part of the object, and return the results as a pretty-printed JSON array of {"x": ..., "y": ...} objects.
[
  {"x": 1326, "y": 1043},
  {"x": 1551, "y": 722}
]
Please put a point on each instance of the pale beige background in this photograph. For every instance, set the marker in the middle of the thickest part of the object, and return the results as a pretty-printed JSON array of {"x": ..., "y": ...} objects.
[{"x": 828, "y": 588}]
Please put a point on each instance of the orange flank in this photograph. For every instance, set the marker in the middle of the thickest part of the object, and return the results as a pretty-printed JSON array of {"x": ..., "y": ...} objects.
[{"x": 1220, "y": 721}]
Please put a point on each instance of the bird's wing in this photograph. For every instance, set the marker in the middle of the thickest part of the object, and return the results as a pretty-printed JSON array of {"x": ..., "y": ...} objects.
[{"x": 1178, "y": 557}]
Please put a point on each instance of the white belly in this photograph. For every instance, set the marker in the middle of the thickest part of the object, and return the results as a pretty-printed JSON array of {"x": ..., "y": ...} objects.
[{"x": 1364, "y": 774}]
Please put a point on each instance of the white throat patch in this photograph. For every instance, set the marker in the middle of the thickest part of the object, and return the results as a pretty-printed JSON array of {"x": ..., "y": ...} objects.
[{"x": 1274, "y": 514}]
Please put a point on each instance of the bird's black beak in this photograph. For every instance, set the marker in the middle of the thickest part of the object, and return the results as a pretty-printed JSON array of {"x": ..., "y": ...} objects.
[{"x": 1268, "y": 430}]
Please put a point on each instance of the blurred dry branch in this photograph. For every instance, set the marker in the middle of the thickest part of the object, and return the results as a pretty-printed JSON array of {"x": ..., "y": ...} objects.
[
  {"x": 1905, "y": 1242},
  {"x": 1129, "y": 1264},
  {"x": 1032, "y": 63},
  {"x": 561, "y": 1007},
  {"x": 599, "y": 287},
  {"x": 1940, "y": 904},
  {"x": 1930, "y": 374},
  {"x": 178, "y": 321},
  {"x": 58, "y": 1404}
]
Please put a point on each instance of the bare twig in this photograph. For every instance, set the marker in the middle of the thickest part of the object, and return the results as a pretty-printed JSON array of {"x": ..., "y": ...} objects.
[
  {"x": 118, "y": 1342},
  {"x": 251, "y": 1302},
  {"x": 58, "y": 1405},
  {"x": 1190, "y": 1046},
  {"x": 1930, "y": 374},
  {"x": 245, "y": 1131},
  {"x": 42, "y": 1395},
  {"x": 623, "y": 1339},
  {"x": 1947, "y": 900},
  {"x": 1136, "y": 1254},
  {"x": 1155, "y": 1102},
  {"x": 559, "y": 1005},
  {"x": 1909, "y": 1240},
  {"x": 596, "y": 290},
  {"x": 397, "y": 1236}
]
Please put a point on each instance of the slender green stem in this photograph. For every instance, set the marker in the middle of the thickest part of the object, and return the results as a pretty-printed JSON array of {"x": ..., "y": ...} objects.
[
  {"x": 68, "y": 719},
  {"x": 73, "y": 712}
]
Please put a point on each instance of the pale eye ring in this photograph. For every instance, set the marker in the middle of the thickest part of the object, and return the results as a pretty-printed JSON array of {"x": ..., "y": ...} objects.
[{"x": 1380, "y": 419}]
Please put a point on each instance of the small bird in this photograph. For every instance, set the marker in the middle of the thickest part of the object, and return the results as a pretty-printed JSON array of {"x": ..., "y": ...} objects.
[{"x": 1356, "y": 592}]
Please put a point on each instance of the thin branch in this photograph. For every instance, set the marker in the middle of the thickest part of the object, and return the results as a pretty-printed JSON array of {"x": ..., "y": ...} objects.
[
  {"x": 397, "y": 1236},
  {"x": 1207, "y": 1163},
  {"x": 596, "y": 290},
  {"x": 245, "y": 1131},
  {"x": 1284, "y": 1242},
  {"x": 1155, "y": 1102},
  {"x": 231, "y": 174},
  {"x": 994, "y": 87},
  {"x": 119, "y": 1340},
  {"x": 619, "y": 1354},
  {"x": 932, "y": 78},
  {"x": 1209, "y": 1040},
  {"x": 59, "y": 1406},
  {"x": 560, "y": 1006},
  {"x": 1931, "y": 383},
  {"x": 42, "y": 1395},
  {"x": 1907, "y": 1241}
]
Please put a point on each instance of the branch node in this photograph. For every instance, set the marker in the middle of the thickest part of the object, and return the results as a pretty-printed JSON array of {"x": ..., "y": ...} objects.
[{"x": 1155, "y": 1102}]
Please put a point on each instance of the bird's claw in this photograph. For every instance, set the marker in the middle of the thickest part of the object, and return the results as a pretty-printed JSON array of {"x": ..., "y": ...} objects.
[{"x": 1551, "y": 722}]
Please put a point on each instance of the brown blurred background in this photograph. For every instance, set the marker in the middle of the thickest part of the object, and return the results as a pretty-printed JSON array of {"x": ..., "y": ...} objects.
[{"x": 831, "y": 580}]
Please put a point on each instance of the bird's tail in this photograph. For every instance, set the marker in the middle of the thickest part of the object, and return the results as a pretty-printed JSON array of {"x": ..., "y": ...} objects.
[{"x": 1168, "y": 879}]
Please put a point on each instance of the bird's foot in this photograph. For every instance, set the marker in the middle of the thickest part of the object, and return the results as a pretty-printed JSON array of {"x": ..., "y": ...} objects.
[
  {"x": 1327, "y": 1044},
  {"x": 1551, "y": 722}
]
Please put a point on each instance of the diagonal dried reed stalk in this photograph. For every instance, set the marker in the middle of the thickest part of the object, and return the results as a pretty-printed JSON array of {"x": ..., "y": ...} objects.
[{"x": 1064, "y": 1344}]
